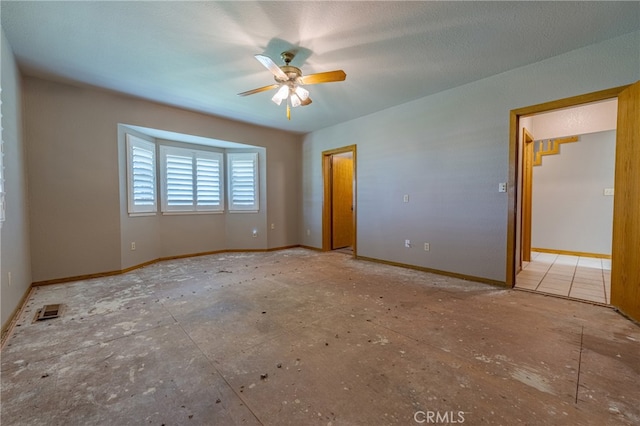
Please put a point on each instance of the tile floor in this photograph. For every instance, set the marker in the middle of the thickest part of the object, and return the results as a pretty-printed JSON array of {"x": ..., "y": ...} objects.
[
  {"x": 301, "y": 337},
  {"x": 583, "y": 278}
]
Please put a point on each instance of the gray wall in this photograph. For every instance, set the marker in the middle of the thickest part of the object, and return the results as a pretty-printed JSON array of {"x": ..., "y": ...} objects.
[
  {"x": 78, "y": 214},
  {"x": 449, "y": 151},
  {"x": 570, "y": 211},
  {"x": 14, "y": 234}
]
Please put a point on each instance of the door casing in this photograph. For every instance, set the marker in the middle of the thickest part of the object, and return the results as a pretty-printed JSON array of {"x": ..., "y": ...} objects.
[
  {"x": 625, "y": 268},
  {"x": 527, "y": 191}
]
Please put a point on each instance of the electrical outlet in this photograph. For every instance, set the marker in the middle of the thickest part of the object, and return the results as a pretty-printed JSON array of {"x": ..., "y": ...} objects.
[
  {"x": 502, "y": 187},
  {"x": 273, "y": 226},
  {"x": 407, "y": 243},
  {"x": 405, "y": 198},
  {"x": 133, "y": 245},
  {"x": 427, "y": 247},
  {"x": 255, "y": 233}
]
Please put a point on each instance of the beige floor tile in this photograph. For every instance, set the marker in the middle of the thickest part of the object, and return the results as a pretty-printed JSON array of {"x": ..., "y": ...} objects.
[
  {"x": 591, "y": 292},
  {"x": 532, "y": 272},
  {"x": 588, "y": 296},
  {"x": 529, "y": 277},
  {"x": 588, "y": 289},
  {"x": 590, "y": 262},
  {"x": 527, "y": 285},
  {"x": 586, "y": 283},
  {"x": 536, "y": 268},
  {"x": 589, "y": 274},
  {"x": 559, "y": 276},
  {"x": 555, "y": 284},
  {"x": 553, "y": 290},
  {"x": 526, "y": 280},
  {"x": 589, "y": 278},
  {"x": 545, "y": 258},
  {"x": 555, "y": 281}
]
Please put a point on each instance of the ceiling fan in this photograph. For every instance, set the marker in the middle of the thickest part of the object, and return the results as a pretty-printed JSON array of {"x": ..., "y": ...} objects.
[{"x": 289, "y": 81}]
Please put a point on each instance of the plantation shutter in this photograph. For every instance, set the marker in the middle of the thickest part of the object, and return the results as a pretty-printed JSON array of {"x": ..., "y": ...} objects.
[
  {"x": 208, "y": 182},
  {"x": 179, "y": 181},
  {"x": 243, "y": 182},
  {"x": 192, "y": 180},
  {"x": 141, "y": 176}
]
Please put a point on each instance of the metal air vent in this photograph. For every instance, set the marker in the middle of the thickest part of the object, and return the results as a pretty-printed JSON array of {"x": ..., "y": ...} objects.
[{"x": 49, "y": 312}]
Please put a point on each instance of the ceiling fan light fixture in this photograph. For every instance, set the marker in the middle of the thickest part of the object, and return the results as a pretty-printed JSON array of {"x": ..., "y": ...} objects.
[
  {"x": 289, "y": 79},
  {"x": 295, "y": 100},
  {"x": 281, "y": 94},
  {"x": 302, "y": 93}
]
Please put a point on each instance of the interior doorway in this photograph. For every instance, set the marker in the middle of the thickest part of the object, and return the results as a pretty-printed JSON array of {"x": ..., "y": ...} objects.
[
  {"x": 567, "y": 201},
  {"x": 339, "y": 201},
  {"x": 625, "y": 273}
]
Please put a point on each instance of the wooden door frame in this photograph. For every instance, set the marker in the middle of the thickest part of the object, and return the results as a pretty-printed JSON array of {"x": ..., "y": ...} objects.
[
  {"x": 625, "y": 250},
  {"x": 515, "y": 169},
  {"x": 327, "y": 203},
  {"x": 527, "y": 196}
]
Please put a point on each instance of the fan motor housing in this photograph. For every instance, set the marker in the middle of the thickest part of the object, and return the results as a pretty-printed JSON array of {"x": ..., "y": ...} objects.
[{"x": 291, "y": 72}]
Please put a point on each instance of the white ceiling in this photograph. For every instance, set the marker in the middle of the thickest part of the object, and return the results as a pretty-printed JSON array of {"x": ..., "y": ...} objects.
[{"x": 199, "y": 55}]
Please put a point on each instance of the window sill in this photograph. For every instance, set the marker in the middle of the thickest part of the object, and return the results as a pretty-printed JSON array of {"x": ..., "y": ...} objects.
[
  {"x": 190, "y": 213},
  {"x": 142, "y": 214}
]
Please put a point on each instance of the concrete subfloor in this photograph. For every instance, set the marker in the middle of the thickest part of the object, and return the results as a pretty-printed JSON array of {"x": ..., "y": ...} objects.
[{"x": 298, "y": 337}]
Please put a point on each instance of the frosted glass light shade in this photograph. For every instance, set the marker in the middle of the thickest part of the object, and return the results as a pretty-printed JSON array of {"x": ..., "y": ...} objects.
[
  {"x": 280, "y": 95},
  {"x": 302, "y": 93},
  {"x": 295, "y": 100}
]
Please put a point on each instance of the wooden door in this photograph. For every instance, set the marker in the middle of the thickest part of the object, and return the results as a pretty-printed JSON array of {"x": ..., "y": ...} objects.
[
  {"x": 341, "y": 201},
  {"x": 527, "y": 186},
  {"x": 625, "y": 254}
]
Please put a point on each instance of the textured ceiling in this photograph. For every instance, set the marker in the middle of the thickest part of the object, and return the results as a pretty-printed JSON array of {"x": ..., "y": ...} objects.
[{"x": 199, "y": 55}]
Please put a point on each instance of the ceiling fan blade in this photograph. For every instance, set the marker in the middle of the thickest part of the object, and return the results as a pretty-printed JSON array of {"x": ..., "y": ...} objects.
[
  {"x": 271, "y": 66},
  {"x": 258, "y": 90},
  {"x": 324, "y": 77},
  {"x": 306, "y": 102}
]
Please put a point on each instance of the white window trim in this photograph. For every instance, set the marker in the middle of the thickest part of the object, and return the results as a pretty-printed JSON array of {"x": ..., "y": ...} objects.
[
  {"x": 132, "y": 208},
  {"x": 238, "y": 208},
  {"x": 194, "y": 154}
]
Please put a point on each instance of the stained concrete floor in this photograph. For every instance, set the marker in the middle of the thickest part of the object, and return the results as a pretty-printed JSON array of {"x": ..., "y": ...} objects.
[{"x": 298, "y": 337}]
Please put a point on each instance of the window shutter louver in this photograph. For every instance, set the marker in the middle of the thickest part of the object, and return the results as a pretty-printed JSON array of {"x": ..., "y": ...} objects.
[
  {"x": 179, "y": 180},
  {"x": 144, "y": 180},
  {"x": 208, "y": 182},
  {"x": 243, "y": 182},
  {"x": 141, "y": 156}
]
